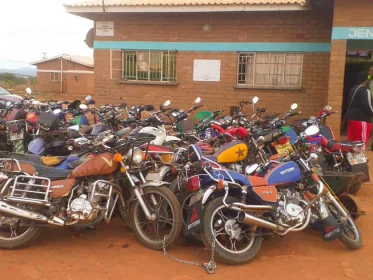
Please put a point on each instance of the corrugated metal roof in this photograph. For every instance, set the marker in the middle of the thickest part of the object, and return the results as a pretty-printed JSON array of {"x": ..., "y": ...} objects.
[
  {"x": 91, "y": 3},
  {"x": 84, "y": 60}
]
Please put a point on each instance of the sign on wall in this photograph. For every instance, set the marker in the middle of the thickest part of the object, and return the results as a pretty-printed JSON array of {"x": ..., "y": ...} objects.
[
  {"x": 206, "y": 70},
  {"x": 352, "y": 33},
  {"x": 105, "y": 28}
]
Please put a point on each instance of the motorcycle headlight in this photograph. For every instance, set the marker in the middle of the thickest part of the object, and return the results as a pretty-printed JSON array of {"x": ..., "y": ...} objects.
[{"x": 135, "y": 154}]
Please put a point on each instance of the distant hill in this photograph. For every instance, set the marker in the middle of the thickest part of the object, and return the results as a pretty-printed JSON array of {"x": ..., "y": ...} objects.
[{"x": 27, "y": 71}]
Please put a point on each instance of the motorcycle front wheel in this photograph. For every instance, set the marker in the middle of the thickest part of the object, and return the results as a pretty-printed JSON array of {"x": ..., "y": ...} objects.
[
  {"x": 235, "y": 243},
  {"x": 351, "y": 236},
  {"x": 162, "y": 202}
]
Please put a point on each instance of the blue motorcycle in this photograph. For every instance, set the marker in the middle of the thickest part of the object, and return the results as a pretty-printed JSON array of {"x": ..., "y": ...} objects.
[{"x": 235, "y": 212}]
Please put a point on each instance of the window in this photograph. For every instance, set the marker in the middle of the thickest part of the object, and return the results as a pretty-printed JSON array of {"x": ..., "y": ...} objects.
[
  {"x": 270, "y": 69},
  {"x": 149, "y": 66},
  {"x": 54, "y": 77}
]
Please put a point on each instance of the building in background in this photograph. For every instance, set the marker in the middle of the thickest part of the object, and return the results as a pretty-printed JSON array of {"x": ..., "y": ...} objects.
[
  {"x": 67, "y": 76},
  {"x": 282, "y": 51}
]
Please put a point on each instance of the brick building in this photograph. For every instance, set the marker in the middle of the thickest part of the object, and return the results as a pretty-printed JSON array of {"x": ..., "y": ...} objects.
[
  {"x": 65, "y": 76},
  {"x": 224, "y": 51}
]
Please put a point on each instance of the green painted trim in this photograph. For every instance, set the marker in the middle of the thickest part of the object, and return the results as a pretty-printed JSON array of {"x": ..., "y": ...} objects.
[{"x": 214, "y": 46}]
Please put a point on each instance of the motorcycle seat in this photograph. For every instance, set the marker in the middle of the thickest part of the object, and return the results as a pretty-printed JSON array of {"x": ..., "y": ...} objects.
[
  {"x": 257, "y": 181},
  {"x": 50, "y": 172},
  {"x": 334, "y": 145},
  {"x": 34, "y": 158}
]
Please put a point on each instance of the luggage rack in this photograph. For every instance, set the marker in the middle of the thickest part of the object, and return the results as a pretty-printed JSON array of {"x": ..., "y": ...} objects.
[
  {"x": 24, "y": 188},
  {"x": 32, "y": 190}
]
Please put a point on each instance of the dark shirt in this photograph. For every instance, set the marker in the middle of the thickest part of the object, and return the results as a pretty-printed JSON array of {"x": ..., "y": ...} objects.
[{"x": 361, "y": 106}]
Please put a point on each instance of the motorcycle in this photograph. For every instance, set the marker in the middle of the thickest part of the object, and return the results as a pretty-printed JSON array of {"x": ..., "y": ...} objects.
[
  {"x": 238, "y": 211},
  {"x": 86, "y": 196}
]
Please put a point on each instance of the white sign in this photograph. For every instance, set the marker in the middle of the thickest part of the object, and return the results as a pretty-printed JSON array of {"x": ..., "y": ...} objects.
[
  {"x": 206, "y": 70},
  {"x": 105, "y": 28},
  {"x": 362, "y": 33}
]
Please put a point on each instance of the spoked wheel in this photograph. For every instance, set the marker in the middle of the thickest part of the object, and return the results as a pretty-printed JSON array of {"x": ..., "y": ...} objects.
[
  {"x": 164, "y": 204},
  {"x": 14, "y": 234},
  {"x": 351, "y": 235},
  {"x": 235, "y": 243}
]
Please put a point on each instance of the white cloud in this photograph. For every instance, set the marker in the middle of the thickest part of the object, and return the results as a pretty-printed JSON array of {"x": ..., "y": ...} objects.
[{"x": 30, "y": 27}]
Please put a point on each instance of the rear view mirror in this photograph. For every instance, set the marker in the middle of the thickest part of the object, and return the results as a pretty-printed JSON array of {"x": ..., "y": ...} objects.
[
  {"x": 74, "y": 127},
  {"x": 294, "y": 106},
  {"x": 311, "y": 130},
  {"x": 167, "y": 103},
  {"x": 255, "y": 99},
  {"x": 83, "y": 107},
  {"x": 28, "y": 91},
  {"x": 251, "y": 168},
  {"x": 57, "y": 111},
  {"x": 198, "y": 100}
]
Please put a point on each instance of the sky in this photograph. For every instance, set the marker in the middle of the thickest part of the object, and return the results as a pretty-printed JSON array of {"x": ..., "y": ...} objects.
[{"x": 30, "y": 27}]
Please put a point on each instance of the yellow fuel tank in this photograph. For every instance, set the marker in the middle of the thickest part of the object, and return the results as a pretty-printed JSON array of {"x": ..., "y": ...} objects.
[{"x": 232, "y": 152}]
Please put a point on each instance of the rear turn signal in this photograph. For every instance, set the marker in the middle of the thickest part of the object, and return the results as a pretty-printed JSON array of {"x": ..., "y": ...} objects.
[{"x": 220, "y": 184}]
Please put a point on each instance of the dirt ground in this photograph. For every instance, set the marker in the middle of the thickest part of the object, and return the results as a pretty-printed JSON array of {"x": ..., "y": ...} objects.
[{"x": 112, "y": 252}]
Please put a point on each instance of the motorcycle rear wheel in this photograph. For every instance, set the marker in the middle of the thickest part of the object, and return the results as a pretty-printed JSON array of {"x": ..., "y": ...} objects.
[
  {"x": 213, "y": 219},
  {"x": 169, "y": 218}
]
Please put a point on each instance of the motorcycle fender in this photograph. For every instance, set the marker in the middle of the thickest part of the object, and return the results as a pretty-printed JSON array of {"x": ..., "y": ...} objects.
[
  {"x": 194, "y": 222},
  {"x": 158, "y": 176},
  {"x": 169, "y": 138},
  {"x": 153, "y": 184},
  {"x": 207, "y": 194}
]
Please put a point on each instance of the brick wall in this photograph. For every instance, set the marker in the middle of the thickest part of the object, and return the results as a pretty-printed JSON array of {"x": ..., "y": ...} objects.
[
  {"x": 226, "y": 27},
  {"x": 356, "y": 13},
  {"x": 75, "y": 85}
]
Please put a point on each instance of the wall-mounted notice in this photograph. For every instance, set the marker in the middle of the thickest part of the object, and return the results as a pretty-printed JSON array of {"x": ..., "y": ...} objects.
[
  {"x": 105, "y": 28},
  {"x": 206, "y": 70}
]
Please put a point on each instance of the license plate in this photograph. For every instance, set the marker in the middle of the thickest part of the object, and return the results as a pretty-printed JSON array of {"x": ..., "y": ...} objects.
[
  {"x": 356, "y": 158},
  {"x": 284, "y": 149},
  {"x": 196, "y": 197},
  {"x": 15, "y": 136}
]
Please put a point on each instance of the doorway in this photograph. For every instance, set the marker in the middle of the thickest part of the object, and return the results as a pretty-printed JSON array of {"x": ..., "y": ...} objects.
[{"x": 353, "y": 66}]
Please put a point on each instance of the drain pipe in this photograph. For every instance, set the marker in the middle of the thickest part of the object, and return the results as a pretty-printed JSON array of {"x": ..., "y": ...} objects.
[{"x": 103, "y": 6}]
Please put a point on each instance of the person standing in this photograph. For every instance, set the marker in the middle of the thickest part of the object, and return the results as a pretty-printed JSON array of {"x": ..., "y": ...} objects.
[{"x": 359, "y": 113}]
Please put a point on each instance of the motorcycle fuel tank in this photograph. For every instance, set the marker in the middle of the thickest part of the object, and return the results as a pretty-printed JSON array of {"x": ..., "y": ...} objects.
[
  {"x": 232, "y": 152},
  {"x": 284, "y": 173}
]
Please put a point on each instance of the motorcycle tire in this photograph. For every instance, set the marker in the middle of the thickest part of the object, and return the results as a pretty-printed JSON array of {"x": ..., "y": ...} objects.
[
  {"x": 22, "y": 241},
  {"x": 350, "y": 243},
  {"x": 173, "y": 203},
  {"x": 222, "y": 253}
]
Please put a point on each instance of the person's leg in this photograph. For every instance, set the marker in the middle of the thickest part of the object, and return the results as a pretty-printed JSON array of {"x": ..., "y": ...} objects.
[
  {"x": 354, "y": 131},
  {"x": 367, "y": 130}
]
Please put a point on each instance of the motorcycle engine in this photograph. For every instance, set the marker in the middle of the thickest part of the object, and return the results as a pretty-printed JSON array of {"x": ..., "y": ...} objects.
[
  {"x": 82, "y": 209},
  {"x": 289, "y": 209}
]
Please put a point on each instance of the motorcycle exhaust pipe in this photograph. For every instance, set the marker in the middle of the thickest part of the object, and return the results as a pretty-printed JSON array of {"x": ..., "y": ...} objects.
[
  {"x": 245, "y": 218},
  {"x": 22, "y": 213}
]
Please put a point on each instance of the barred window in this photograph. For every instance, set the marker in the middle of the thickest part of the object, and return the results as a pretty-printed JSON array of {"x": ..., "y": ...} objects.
[
  {"x": 54, "y": 77},
  {"x": 270, "y": 69},
  {"x": 149, "y": 66}
]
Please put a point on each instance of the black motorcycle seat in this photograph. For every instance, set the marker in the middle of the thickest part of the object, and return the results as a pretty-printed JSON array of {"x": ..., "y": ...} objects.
[
  {"x": 32, "y": 158},
  {"x": 334, "y": 145},
  {"x": 49, "y": 172}
]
